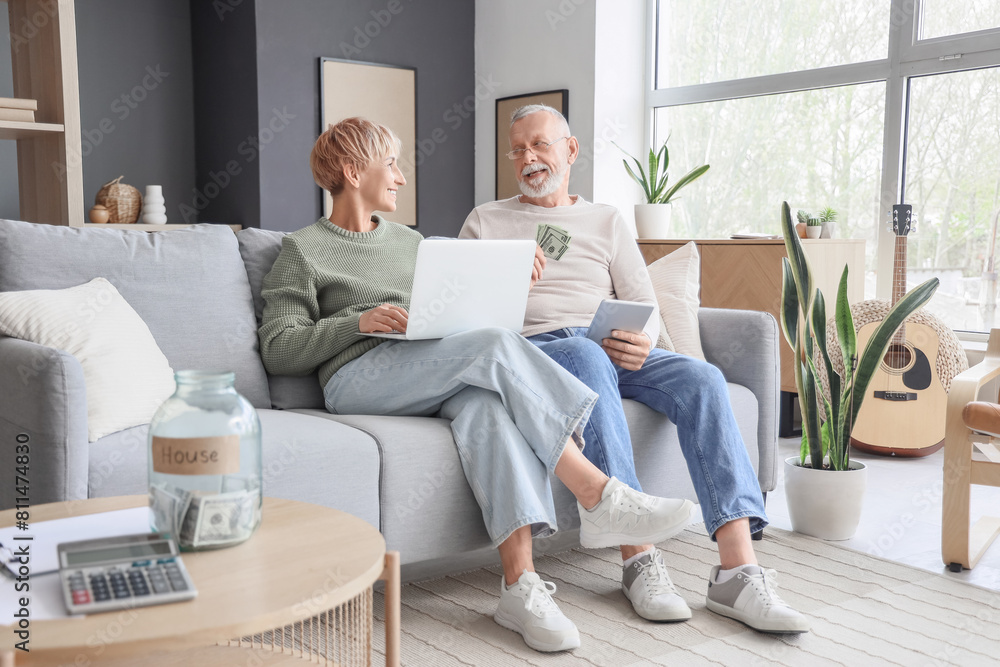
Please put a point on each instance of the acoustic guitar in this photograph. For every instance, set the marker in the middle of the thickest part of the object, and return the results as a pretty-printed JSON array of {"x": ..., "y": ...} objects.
[{"x": 903, "y": 413}]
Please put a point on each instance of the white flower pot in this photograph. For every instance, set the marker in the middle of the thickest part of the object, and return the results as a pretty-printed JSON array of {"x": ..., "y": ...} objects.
[
  {"x": 652, "y": 221},
  {"x": 825, "y": 503},
  {"x": 813, "y": 231}
]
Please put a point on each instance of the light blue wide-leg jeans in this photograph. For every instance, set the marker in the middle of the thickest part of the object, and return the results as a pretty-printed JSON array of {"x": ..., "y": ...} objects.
[
  {"x": 693, "y": 394},
  {"x": 512, "y": 409}
]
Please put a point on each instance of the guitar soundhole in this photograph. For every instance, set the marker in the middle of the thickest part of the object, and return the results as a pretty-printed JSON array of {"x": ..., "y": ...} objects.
[{"x": 897, "y": 356}]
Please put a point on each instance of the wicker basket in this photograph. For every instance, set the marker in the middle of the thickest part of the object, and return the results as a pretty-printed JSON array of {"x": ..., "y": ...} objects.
[{"x": 123, "y": 201}]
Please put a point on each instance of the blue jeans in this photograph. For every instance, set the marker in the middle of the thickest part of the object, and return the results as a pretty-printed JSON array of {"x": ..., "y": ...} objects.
[
  {"x": 693, "y": 394},
  {"x": 512, "y": 410}
]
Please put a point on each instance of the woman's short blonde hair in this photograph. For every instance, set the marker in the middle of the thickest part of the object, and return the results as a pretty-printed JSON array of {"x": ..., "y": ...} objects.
[{"x": 352, "y": 141}]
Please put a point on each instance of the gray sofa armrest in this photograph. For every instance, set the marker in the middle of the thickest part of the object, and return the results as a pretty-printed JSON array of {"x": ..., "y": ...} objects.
[
  {"x": 44, "y": 402},
  {"x": 743, "y": 344}
]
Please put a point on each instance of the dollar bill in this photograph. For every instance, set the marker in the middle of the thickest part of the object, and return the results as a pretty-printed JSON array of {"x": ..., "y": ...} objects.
[
  {"x": 553, "y": 240},
  {"x": 218, "y": 519}
]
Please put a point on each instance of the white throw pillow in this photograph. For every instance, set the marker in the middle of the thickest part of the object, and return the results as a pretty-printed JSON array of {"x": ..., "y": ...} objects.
[
  {"x": 126, "y": 374},
  {"x": 676, "y": 281}
]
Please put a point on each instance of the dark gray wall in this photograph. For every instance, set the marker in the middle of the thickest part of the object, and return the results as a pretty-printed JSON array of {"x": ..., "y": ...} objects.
[
  {"x": 134, "y": 60},
  {"x": 136, "y": 96},
  {"x": 224, "y": 38},
  {"x": 229, "y": 65},
  {"x": 436, "y": 38}
]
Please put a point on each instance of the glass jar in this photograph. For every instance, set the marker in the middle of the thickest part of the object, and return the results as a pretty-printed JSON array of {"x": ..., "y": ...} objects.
[{"x": 205, "y": 463}]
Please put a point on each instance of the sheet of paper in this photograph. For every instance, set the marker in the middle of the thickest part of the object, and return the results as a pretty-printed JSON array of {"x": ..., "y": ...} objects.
[
  {"x": 47, "y": 535},
  {"x": 44, "y": 599}
]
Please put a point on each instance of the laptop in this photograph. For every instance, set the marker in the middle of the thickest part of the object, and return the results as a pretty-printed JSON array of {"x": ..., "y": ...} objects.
[{"x": 464, "y": 284}]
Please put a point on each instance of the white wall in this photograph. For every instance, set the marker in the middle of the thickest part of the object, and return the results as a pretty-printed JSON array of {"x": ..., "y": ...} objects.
[
  {"x": 620, "y": 53},
  {"x": 527, "y": 46},
  {"x": 595, "y": 49}
]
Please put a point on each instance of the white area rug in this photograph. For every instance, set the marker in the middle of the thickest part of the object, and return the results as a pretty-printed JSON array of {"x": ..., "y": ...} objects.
[{"x": 864, "y": 611}]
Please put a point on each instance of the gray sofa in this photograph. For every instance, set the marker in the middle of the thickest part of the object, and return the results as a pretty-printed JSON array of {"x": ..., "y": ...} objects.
[{"x": 198, "y": 290}]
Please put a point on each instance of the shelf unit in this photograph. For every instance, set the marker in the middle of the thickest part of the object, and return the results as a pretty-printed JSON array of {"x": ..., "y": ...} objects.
[{"x": 49, "y": 168}]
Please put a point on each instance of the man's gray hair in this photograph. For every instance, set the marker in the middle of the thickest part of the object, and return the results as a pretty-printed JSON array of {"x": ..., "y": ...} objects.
[{"x": 529, "y": 109}]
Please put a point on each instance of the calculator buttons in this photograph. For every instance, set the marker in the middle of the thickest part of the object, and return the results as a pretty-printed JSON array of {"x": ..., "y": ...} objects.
[
  {"x": 141, "y": 563},
  {"x": 81, "y": 597},
  {"x": 164, "y": 561}
]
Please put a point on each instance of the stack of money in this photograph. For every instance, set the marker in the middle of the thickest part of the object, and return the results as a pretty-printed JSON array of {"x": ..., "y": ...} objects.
[
  {"x": 199, "y": 519},
  {"x": 553, "y": 240}
]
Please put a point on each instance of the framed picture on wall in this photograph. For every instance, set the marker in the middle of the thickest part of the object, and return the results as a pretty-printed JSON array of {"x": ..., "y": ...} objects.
[
  {"x": 385, "y": 94},
  {"x": 505, "y": 179}
]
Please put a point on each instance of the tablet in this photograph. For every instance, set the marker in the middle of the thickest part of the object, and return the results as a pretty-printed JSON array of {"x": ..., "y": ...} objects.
[{"x": 622, "y": 315}]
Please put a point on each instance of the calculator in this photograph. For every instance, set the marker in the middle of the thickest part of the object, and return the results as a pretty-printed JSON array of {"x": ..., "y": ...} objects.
[{"x": 122, "y": 572}]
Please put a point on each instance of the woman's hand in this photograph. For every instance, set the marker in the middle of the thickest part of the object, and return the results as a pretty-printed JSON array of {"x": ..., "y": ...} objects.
[
  {"x": 536, "y": 270},
  {"x": 383, "y": 319},
  {"x": 628, "y": 350}
]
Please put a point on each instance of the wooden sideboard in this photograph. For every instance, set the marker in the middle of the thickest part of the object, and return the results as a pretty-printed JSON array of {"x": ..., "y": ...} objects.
[{"x": 746, "y": 275}]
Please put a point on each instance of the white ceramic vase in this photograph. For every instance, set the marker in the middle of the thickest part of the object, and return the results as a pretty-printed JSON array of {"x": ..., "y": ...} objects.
[
  {"x": 153, "y": 210},
  {"x": 825, "y": 503},
  {"x": 813, "y": 231},
  {"x": 652, "y": 221}
]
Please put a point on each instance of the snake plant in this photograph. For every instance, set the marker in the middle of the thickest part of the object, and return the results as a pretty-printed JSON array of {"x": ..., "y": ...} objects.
[
  {"x": 803, "y": 322},
  {"x": 653, "y": 183}
]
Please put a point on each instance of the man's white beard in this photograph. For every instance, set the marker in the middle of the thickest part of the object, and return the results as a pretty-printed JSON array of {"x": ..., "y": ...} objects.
[{"x": 545, "y": 188}]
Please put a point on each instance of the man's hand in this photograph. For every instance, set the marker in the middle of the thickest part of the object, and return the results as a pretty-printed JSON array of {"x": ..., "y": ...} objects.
[
  {"x": 628, "y": 350},
  {"x": 383, "y": 319},
  {"x": 536, "y": 270}
]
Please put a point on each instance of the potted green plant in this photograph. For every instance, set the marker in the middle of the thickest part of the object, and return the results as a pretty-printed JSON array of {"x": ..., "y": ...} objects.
[
  {"x": 814, "y": 227},
  {"x": 827, "y": 220},
  {"x": 652, "y": 219},
  {"x": 823, "y": 487}
]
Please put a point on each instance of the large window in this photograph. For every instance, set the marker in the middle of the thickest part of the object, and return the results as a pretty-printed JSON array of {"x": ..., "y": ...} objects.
[
  {"x": 717, "y": 40},
  {"x": 849, "y": 104}
]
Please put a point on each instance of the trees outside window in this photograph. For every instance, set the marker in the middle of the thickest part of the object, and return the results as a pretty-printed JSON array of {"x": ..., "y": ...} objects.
[{"x": 851, "y": 104}]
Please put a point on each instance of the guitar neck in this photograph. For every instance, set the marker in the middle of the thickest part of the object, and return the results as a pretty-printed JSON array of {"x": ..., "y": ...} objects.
[{"x": 899, "y": 281}]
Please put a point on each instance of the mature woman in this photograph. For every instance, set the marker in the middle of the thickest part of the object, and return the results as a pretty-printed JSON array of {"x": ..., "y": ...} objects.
[{"x": 513, "y": 411}]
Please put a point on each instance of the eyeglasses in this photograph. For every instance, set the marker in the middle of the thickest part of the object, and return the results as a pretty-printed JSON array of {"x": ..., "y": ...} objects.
[{"x": 536, "y": 148}]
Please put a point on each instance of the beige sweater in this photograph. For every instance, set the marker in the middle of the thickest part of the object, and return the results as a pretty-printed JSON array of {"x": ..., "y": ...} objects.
[{"x": 602, "y": 262}]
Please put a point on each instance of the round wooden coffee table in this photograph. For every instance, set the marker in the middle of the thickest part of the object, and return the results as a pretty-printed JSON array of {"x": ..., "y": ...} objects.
[{"x": 299, "y": 589}]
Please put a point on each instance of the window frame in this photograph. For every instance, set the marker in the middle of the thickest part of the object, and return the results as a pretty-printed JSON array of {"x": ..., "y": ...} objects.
[{"x": 907, "y": 57}]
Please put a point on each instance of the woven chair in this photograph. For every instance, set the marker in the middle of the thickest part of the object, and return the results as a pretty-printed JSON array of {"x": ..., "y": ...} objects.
[{"x": 971, "y": 457}]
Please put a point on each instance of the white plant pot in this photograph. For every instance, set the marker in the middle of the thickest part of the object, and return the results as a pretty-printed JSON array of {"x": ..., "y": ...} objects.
[
  {"x": 652, "y": 221},
  {"x": 825, "y": 503},
  {"x": 813, "y": 231}
]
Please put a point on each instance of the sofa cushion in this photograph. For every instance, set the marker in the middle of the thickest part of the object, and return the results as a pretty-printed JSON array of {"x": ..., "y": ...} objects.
[
  {"x": 259, "y": 249},
  {"x": 676, "y": 280},
  {"x": 428, "y": 508},
  {"x": 126, "y": 375},
  {"x": 188, "y": 285},
  {"x": 304, "y": 458}
]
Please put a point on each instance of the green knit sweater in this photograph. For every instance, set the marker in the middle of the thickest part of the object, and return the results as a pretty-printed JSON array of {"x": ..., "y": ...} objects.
[{"x": 323, "y": 280}]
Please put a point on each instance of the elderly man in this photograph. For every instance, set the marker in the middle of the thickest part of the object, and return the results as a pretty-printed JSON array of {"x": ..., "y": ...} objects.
[{"x": 604, "y": 262}]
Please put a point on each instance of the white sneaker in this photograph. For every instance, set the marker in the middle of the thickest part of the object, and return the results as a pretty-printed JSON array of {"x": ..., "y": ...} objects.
[
  {"x": 751, "y": 597},
  {"x": 647, "y": 585},
  {"x": 527, "y": 607},
  {"x": 627, "y": 516}
]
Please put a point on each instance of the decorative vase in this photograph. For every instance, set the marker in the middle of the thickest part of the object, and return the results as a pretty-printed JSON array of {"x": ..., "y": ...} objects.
[
  {"x": 652, "y": 221},
  {"x": 205, "y": 463},
  {"x": 153, "y": 210},
  {"x": 813, "y": 231},
  {"x": 99, "y": 215},
  {"x": 825, "y": 503}
]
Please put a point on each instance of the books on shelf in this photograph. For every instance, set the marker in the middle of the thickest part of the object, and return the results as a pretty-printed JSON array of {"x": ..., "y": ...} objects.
[{"x": 18, "y": 109}]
